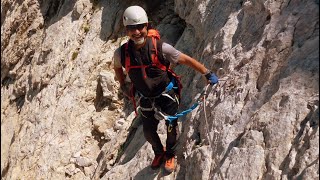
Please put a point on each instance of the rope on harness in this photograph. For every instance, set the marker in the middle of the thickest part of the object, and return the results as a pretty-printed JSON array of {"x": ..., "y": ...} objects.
[
  {"x": 185, "y": 112},
  {"x": 200, "y": 99},
  {"x": 170, "y": 86}
]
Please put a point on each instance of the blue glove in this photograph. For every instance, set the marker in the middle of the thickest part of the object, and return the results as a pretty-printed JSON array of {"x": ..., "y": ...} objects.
[{"x": 212, "y": 78}]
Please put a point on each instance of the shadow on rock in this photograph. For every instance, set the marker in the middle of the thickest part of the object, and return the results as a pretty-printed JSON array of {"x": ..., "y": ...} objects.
[{"x": 146, "y": 173}]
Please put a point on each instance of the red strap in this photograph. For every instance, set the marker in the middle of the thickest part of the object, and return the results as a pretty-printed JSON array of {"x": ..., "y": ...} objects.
[{"x": 154, "y": 34}]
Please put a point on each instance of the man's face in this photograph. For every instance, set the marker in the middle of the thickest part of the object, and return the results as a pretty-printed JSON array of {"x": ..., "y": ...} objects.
[{"x": 137, "y": 33}]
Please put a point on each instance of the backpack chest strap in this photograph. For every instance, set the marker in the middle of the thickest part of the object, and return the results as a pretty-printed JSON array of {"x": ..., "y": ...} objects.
[{"x": 154, "y": 58}]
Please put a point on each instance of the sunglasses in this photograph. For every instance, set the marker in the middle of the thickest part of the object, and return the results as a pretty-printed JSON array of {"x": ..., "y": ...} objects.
[{"x": 134, "y": 27}]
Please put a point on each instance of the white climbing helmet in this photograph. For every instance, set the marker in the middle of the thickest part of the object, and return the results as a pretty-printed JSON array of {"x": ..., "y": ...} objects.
[{"x": 134, "y": 15}]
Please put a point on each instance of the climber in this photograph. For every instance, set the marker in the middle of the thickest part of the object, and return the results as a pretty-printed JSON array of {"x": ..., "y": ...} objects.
[{"x": 146, "y": 60}]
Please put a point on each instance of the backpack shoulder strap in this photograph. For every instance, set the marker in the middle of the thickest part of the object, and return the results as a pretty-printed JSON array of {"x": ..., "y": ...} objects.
[{"x": 155, "y": 52}]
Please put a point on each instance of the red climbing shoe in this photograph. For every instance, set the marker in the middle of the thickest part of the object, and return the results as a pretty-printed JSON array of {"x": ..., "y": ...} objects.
[{"x": 158, "y": 159}]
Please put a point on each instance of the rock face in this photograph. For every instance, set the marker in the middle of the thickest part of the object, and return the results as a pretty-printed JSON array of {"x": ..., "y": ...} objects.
[{"x": 63, "y": 118}]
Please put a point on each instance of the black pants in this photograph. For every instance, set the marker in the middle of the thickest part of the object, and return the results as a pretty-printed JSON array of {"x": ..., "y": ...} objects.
[{"x": 167, "y": 105}]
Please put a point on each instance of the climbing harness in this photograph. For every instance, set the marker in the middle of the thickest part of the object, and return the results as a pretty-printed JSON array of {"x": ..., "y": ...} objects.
[
  {"x": 170, "y": 119},
  {"x": 201, "y": 99},
  {"x": 185, "y": 112}
]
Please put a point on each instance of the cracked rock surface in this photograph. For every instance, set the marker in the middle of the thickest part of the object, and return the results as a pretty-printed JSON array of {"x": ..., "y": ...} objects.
[{"x": 63, "y": 117}]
